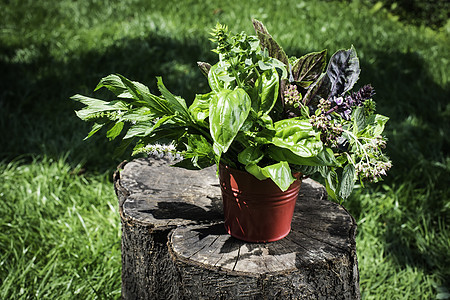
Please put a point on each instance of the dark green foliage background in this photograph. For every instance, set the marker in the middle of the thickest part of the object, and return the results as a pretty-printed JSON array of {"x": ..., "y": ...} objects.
[
  {"x": 59, "y": 228},
  {"x": 434, "y": 13}
]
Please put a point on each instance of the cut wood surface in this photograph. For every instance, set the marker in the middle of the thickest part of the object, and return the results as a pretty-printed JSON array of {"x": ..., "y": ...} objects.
[{"x": 174, "y": 245}]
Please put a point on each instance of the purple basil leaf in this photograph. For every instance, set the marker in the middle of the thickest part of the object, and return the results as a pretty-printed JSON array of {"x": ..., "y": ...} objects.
[
  {"x": 267, "y": 42},
  {"x": 318, "y": 88},
  {"x": 204, "y": 67},
  {"x": 343, "y": 71},
  {"x": 309, "y": 67}
]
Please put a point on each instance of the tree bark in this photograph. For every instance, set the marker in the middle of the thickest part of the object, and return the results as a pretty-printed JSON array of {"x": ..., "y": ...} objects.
[{"x": 174, "y": 245}]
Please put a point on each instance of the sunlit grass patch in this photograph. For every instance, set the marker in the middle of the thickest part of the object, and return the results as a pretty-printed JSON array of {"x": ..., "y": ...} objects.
[
  {"x": 402, "y": 242},
  {"x": 59, "y": 232}
]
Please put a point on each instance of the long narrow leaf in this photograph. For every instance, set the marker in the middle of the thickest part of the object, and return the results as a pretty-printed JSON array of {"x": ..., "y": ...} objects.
[
  {"x": 96, "y": 106},
  {"x": 140, "y": 114},
  {"x": 251, "y": 155},
  {"x": 135, "y": 89},
  {"x": 88, "y": 101},
  {"x": 142, "y": 129},
  {"x": 95, "y": 128},
  {"x": 269, "y": 43},
  {"x": 143, "y": 96},
  {"x": 177, "y": 103}
]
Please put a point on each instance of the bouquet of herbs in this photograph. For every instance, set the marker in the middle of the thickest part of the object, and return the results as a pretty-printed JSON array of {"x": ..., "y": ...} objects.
[{"x": 267, "y": 113}]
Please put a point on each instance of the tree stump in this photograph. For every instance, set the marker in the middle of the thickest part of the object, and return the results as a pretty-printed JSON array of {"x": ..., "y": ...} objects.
[{"x": 174, "y": 245}]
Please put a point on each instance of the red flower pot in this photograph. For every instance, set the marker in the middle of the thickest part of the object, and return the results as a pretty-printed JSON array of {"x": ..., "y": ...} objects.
[{"x": 256, "y": 210}]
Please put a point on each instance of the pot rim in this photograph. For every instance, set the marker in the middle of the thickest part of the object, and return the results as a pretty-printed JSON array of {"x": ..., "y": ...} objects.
[{"x": 297, "y": 175}]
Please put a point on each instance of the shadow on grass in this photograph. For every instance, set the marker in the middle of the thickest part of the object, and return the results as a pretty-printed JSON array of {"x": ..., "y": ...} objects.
[{"x": 37, "y": 117}]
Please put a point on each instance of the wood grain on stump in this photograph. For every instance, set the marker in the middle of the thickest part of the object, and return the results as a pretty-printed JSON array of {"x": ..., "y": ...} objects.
[{"x": 174, "y": 245}]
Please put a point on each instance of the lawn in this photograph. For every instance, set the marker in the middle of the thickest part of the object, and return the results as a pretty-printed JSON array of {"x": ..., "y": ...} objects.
[{"x": 59, "y": 225}]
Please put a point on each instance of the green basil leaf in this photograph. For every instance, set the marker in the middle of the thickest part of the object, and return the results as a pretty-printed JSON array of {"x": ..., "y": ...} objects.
[
  {"x": 327, "y": 158},
  {"x": 377, "y": 122},
  {"x": 266, "y": 122},
  {"x": 100, "y": 104},
  {"x": 266, "y": 86},
  {"x": 347, "y": 182},
  {"x": 138, "y": 129},
  {"x": 359, "y": 120},
  {"x": 284, "y": 154},
  {"x": 215, "y": 83},
  {"x": 298, "y": 136},
  {"x": 324, "y": 158},
  {"x": 198, "y": 155},
  {"x": 256, "y": 171},
  {"x": 114, "y": 131},
  {"x": 331, "y": 182},
  {"x": 163, "y": 134},
  {"x": 228, "y": 111},
  {"x": 136, "y": 89},
  {"x": 96, "y": 127},
  {"x": 280, "y": 173},
  {"x": 250, "y": 155},
  {"x": 114, "y": 84},
  {"x": 142, "y": 96},
  {"x": 269, "y": 63},
  {"x": 249, "y": 122},
  {"x": 199, "y": 109},
  {"x": 140, "y": 114}
]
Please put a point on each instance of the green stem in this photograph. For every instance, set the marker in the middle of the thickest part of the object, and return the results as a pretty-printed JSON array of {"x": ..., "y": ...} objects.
[
  {"x": 359, "y": 145},
  {"x": 238, "y": 81}
]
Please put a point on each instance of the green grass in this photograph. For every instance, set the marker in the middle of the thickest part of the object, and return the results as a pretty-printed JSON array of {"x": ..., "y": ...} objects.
[
  {"x": 60, "y": 232},
  {"x": 59, "y": 228}
]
